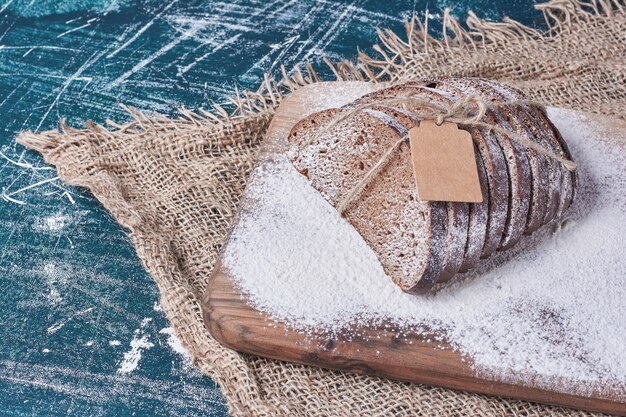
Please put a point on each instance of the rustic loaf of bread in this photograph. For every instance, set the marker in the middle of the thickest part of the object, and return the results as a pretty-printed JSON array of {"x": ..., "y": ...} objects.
[{"x": 422, "y": 243}]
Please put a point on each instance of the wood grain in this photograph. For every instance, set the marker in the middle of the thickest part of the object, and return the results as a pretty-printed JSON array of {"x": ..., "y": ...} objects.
[{"x": 376, "y": 350}]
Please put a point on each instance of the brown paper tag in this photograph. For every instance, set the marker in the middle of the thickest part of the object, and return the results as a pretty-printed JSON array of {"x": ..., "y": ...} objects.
[{"x": 444, "y": 163}]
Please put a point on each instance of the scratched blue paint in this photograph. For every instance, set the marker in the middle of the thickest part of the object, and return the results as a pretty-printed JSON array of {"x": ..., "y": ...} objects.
[{"x": 81, "y": 332}]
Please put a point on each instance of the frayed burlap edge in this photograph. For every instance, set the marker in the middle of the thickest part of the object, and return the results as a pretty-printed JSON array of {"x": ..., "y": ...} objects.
[{"x": 593, "y": 80}]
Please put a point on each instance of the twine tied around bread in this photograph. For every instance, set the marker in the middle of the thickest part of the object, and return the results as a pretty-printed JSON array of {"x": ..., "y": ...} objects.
[{"x": 468, "y": 111}]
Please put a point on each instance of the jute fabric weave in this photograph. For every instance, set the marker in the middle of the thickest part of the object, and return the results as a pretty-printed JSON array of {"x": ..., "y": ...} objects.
[{"x": 175, "y": 184}]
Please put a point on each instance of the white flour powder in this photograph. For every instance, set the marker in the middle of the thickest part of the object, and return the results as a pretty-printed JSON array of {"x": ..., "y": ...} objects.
[{"x": 552, "y": 308}]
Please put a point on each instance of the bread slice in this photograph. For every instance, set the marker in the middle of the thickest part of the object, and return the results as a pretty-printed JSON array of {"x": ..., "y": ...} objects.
[
  {"x": 478, "y": 221},
  {"x": 570, "y": 177},
  {"x": 458, "y": 213},
  {"x": 522, "y": 122},
  {"x": 407, "y": 234}
]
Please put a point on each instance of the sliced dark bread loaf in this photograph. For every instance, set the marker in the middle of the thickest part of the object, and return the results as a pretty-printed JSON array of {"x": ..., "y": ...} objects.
[{"x": 422, "y": 243}]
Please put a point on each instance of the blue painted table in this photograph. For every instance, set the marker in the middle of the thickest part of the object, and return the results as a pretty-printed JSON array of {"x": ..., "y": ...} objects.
[{"x": 81, "y": 330}]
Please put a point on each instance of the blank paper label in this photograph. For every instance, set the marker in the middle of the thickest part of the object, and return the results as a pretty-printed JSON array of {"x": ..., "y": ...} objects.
[{"x": 444, "y": 163}]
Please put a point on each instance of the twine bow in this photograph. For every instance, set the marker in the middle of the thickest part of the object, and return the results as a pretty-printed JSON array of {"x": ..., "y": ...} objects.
[{"x": 468, "y": 111}]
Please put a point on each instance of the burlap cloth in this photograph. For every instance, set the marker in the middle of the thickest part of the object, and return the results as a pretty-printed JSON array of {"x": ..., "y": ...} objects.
[{"x": 175, "y": 184}]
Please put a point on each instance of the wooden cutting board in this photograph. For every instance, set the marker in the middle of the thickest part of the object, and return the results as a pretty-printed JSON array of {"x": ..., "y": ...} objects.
[{"x": 377, "y": 351}]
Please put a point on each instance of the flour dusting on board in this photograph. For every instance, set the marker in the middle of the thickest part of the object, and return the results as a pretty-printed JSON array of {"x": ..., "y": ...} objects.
[{"x": 551, "y": 309}]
